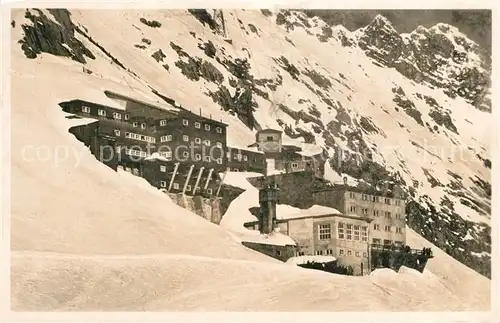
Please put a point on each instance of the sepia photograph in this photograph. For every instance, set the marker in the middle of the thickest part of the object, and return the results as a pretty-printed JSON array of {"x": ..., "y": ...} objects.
[{"x": 250, "y": 160}]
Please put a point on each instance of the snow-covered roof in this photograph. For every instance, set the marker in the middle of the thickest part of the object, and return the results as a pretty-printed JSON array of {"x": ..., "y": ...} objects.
[
  {"x": 300, "y": 260},
  {"x": 313, "y": 211},
  {"x": 143, "y": 100},
  {"x": 156, "y": 156},
  {"x": 274, "y": 238},
  {"x": 306, "y": 148},
  {"x": 252, "y": 149},
  {"x": 78, "y": 121}
]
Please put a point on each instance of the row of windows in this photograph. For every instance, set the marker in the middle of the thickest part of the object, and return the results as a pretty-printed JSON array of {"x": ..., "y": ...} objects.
[
  {"x": 168, "y": 155},
  {"x": 176, "y": 186},
  {"x": 185, "y": 138},
  {"x": 347, "y": 231},
  {"x": 118, "y": 116},
  {"x": 326, "y": 252},
  {"x": 133, "y": 152},
  {"x": 103, "y": 113},
  {"x": 237, "y": 157},
  {"x": 387, "y": 228},
  {"x": 166, "y": 138},
  {"x": 136, "y": 136},
  {"x": 387, "y": 242},
  {"x": 364, "y": 211},
  {"x": 197, "y": 125},
  {"x": 342, "y": 252},
  {"x": 366, "y": 197}
]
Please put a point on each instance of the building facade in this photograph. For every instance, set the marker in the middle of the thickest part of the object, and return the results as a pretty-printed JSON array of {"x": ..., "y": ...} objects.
[
  {"x": 245, "y": 160},
  {"x": 344, "y": 237},
  {"x": 387, "y": 212},
  {"x": 286, "y": 158},
  {"x": 269, "y": 141},
  {"x": 191, "y": 148}
]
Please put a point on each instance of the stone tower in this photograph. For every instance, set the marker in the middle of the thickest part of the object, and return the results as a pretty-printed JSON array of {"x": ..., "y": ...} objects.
[{"x": 268, "y": 198}]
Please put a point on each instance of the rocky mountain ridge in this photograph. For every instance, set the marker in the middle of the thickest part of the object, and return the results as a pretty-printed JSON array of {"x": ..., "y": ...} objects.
[{"x": 440, "y": 56}]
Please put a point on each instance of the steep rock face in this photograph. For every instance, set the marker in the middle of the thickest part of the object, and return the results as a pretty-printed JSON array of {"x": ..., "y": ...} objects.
[
  {"x": 440, "y": 56},
  {"x": 54, "y": 37}
]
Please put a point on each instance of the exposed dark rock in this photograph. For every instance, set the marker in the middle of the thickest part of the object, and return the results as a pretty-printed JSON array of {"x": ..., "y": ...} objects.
[
  {"x": 280, "y": 19},
  {"x": 270, "y": 83},
  {"x": 425, "y": 54},
  {"x": 158, "y": 55},
  {"x": 290, "y": 41},
  {"x": 209, "y": 49},
  {"x": 447, "y": 230},
  {"x": 253, "y": 29},
  {"x": 318, "y": 79},
  {"x": 13, "y": 24},
  {"x": 140, "y": 46},
  {"x": 431, "y": 179},
  {"x": 150, "y": 23},
  {"x": 241, "y": 104},
  {"x": 409, "y": 107},
  {"x": 303, "y": 20},
  {"x": 146, "y": 41},
  {"x": 196, "y": 68},
  {"x": 165, "y": 66},
  {"x": 300, "y": 115},
  {"x": 443, "y": 119},
  {"x": 204, "y": 17},
  {"x": 47, "y": 36},
  {"x": 368, "y": 125},
  {"x": 483, "y": 185},
  {"x": 287, "y": 66},
  {"x": 327, "y": 33},
  {"x": 266, "y": 12}
]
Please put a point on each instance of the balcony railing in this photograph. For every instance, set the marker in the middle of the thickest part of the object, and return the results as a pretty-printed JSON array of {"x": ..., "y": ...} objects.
[{"x": 407, "y": 249}]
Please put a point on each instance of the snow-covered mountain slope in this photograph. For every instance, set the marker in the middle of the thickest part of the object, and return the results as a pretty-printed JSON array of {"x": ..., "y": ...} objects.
[
  {"x": 87, "y": 238},
  {"x": 281, "y": 70}
]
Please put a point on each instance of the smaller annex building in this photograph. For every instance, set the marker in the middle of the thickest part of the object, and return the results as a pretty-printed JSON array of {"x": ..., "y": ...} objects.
[{"x": 324, "y": 231}]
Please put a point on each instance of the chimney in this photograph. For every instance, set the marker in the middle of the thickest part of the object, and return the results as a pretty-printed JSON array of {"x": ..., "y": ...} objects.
[
  {"x": 345, "y": 181},
  {"x": 268, "y": 197},
  {"x": 200, "y": 111}
]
